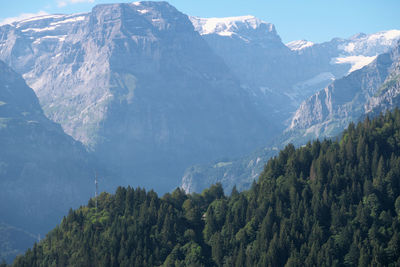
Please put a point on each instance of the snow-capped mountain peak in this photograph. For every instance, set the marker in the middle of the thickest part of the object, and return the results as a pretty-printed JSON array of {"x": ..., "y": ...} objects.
[
  {"x": 371, "y": 44},
  {"x": 228, "y": 26},
  {"x": 299, "y": 44},
  {"x": 361, "y": 49}
]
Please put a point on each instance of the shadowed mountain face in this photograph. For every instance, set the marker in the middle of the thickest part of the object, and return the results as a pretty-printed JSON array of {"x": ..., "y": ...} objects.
[
  {"x": 43, "y": 171},
  {"x": 14, "y": 241},
  {"x": 138, "y": 86}
]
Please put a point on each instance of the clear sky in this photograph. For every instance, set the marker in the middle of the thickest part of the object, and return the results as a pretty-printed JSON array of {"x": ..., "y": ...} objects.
[{"x": 313, "y": 20}]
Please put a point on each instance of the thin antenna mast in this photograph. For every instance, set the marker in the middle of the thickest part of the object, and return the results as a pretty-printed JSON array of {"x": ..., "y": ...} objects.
[{"x": 96, "y": 183}]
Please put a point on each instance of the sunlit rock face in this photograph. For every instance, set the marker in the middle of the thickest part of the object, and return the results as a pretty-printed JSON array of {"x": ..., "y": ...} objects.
[
  {"x": 138, "y": 86},
  {"x": 327, "y": 112}
]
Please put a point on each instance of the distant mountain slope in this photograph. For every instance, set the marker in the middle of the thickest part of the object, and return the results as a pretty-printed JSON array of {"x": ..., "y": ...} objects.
[
  {"x": 138, "y": 86},
  {"x": 255, "y": 53},
  {"x": 356, "y": 51},
  {"x": 240, "y": 172},
  {"x": 14, "y": 241},
  {"x": 325, "y": 114},
  {"x": 43, "y": 171},
  {"x": 337, "y": 58},
  {"x": 280, "y": 77},
  {"x": 388, "y": 95},
  {"x": 329, "y": 203}
]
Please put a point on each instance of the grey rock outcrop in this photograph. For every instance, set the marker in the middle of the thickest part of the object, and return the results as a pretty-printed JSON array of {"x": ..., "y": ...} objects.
[{"x": 388, "y": 95}]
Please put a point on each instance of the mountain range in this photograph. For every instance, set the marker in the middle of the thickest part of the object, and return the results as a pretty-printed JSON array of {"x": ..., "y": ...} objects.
[
  {"x": 275, "y": 73},
  {"x": 138, "y": 87},
  {"x": 144, "y": 85},
  {"x": 143, "y": 94},
  {"x": 369, "y": 90}
]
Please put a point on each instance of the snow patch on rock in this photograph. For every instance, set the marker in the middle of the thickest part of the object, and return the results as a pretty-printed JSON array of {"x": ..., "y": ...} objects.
[
  {"x": 299, "y": 45},
  {"x": 357, "y": 62},
  {"x": 371, "y": 44},
  {"x": 40, "y": 29},
  {"x": 69, "y": 20},
  {"x": 227, "y": 26}
]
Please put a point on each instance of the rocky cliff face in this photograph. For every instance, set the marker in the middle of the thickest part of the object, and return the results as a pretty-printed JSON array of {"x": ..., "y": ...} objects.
[
  {"x": 388, "y": 95},
  {"x": 43, "y": 171},
  {"x": 250, "y": 46},
  {"x": 330, "y": 110},
  {"x": 255, "y": 53},
  {"x": 138, "y": 86}
]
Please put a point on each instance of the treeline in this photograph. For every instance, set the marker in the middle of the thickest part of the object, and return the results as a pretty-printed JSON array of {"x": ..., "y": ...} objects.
[{"x": 329, "y": 203}]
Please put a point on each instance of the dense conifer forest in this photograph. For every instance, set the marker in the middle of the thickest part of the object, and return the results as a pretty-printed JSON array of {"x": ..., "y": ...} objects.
[{"x": 328, "y": 203}]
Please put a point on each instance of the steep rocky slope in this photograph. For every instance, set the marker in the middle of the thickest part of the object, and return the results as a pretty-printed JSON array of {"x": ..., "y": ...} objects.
[
  {"x": 388, "y": 95},
  {"x": 254, "y": 51},
  {"x": 326, "y": 113},
  {"x": 138, "y": 86}
]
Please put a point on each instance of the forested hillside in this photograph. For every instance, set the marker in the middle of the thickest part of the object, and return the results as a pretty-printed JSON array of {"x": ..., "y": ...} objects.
[{"x": 329, "y": 203}]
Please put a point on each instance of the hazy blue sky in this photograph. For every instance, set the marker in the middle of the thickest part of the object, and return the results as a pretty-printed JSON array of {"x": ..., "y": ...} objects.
[{"x": 314, "y": 20}]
